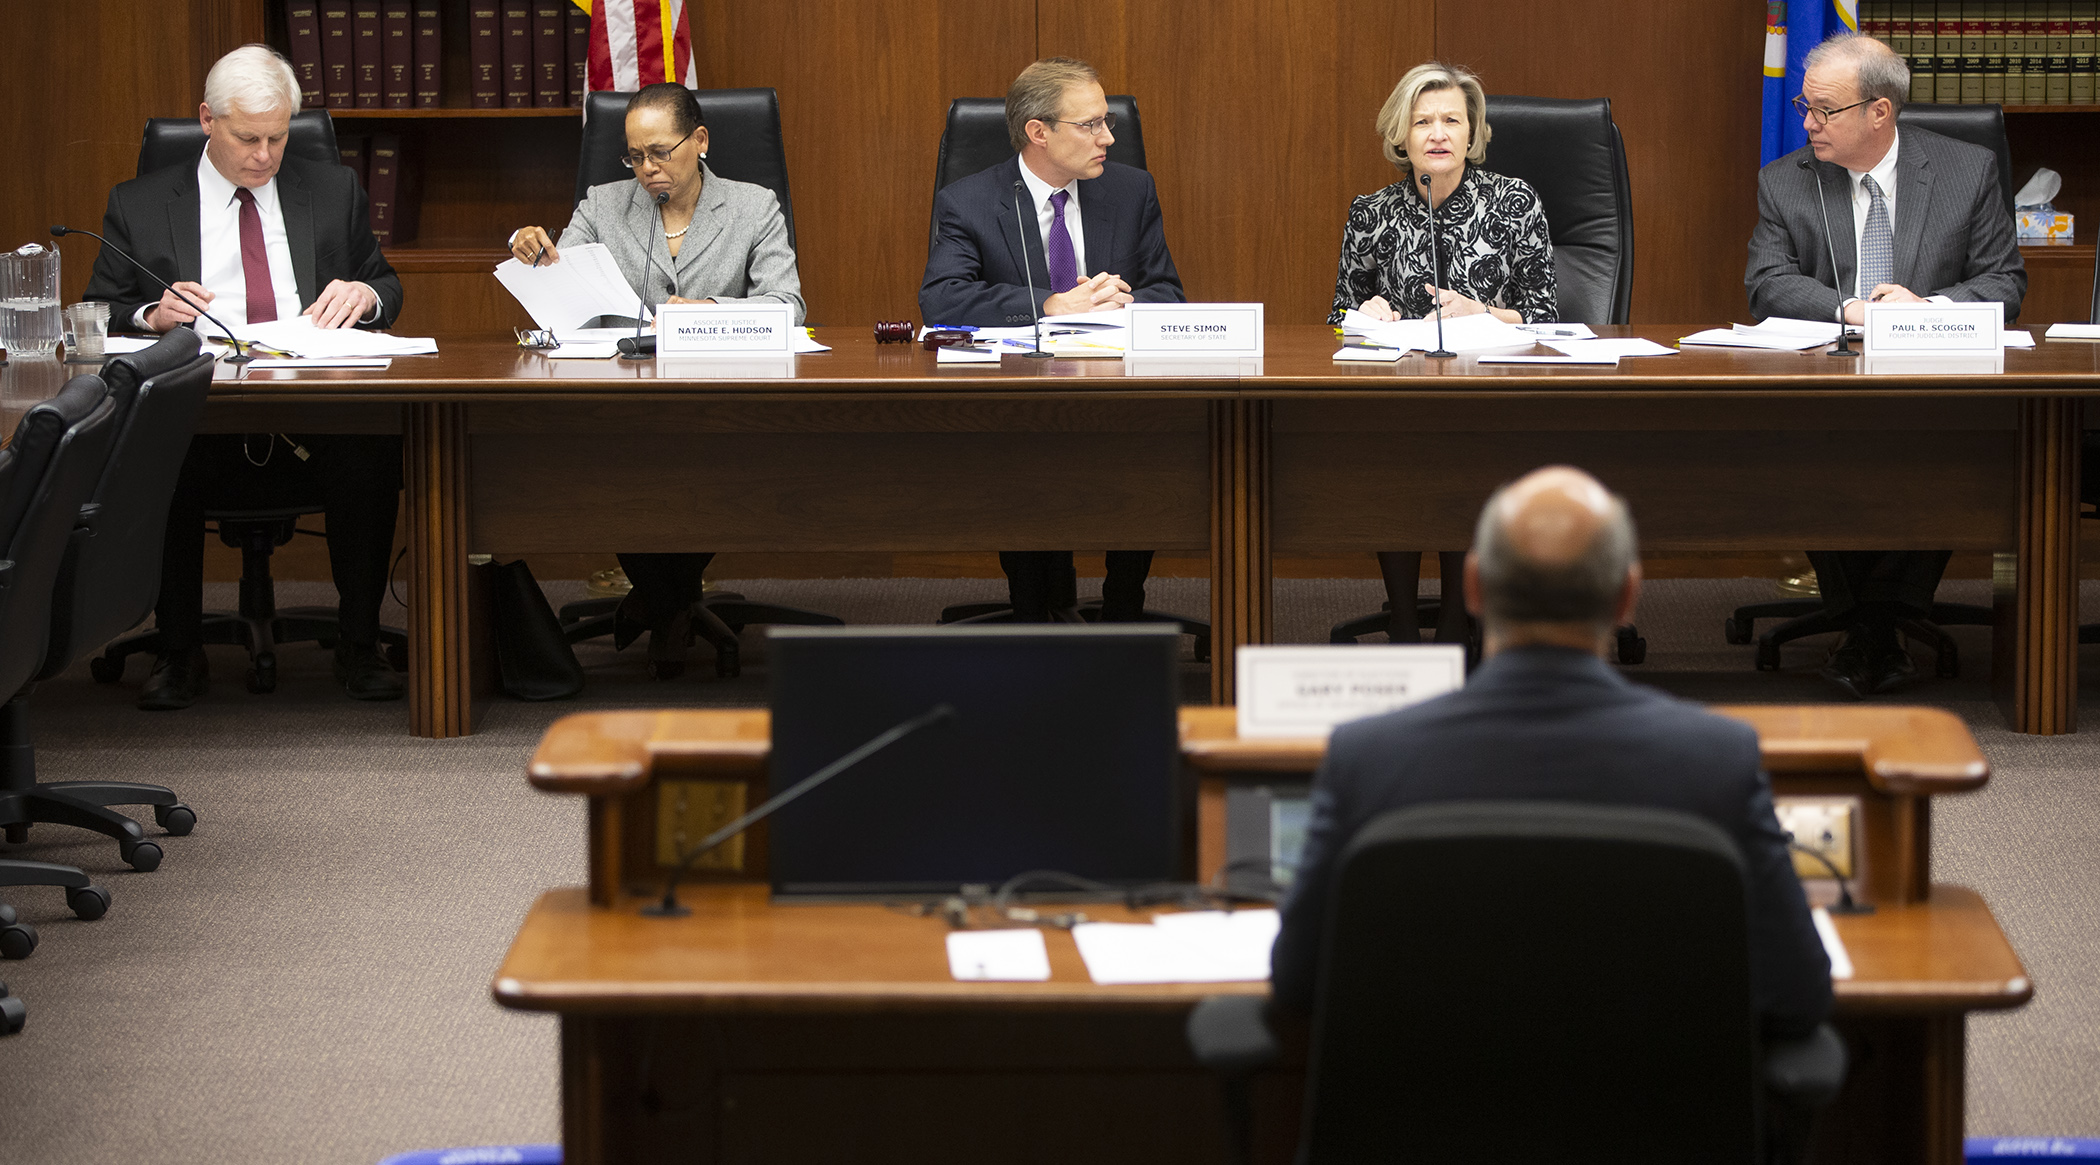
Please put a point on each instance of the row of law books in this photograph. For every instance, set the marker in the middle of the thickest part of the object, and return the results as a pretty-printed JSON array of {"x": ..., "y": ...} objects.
[
  {"x": 389, "y": 54},
  {"x": 381, "y": 169},
  {"x": 2011, "y": 52}
]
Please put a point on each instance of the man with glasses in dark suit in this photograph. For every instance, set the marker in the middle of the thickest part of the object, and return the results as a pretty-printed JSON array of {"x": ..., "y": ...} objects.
[
  {"x": 1087, "y": 230},
  {"x": 1913, "y": 216}
]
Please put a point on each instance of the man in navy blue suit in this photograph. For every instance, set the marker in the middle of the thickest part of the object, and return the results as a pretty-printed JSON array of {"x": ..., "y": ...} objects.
[
  {"x": 1090, "y": 232},
  {"x": 1553, "y": 570}
]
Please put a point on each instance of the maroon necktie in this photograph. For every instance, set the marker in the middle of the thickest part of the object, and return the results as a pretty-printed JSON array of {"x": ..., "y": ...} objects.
[
  {"x": 255, "y": 261},
  {"x": 1057, "y": 249}
]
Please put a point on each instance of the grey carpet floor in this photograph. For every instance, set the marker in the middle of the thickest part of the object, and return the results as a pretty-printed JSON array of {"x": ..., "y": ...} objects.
[{"x": 306, "y": 977}]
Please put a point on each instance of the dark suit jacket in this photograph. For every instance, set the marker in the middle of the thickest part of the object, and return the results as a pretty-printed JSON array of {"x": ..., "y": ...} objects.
[
  {"x": 1954, "y": 236},
  {"x": 973, "y": 268},
  {"x": 326, "y": 222},
  {"x": 1549, "y": 724}
]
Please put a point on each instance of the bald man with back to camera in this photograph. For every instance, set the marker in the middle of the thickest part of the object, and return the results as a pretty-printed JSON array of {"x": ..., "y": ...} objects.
[{"x": 1554, "y": 568}]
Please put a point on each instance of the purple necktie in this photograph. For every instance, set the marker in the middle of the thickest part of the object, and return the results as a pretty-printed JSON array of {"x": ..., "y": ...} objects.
[{"x": 1064, "y": 266}]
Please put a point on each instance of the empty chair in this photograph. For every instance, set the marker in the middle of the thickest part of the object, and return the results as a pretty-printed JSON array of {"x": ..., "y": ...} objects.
[
  {"x": 106, "y": 583},
  {"x": 48, "y": 471}
]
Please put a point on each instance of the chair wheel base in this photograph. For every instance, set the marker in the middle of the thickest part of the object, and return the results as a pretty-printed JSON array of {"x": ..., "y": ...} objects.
[
  {"x": 105, "y": 670},
  {"x": 1736, "y": 631},
  {"x": 143, "y": 856},
  {"x": 17, "y": 940},
  {"x": 88, "y": 902},
  {"x": 178, "y": 819},
  {"x": 13, "y": 1013}
]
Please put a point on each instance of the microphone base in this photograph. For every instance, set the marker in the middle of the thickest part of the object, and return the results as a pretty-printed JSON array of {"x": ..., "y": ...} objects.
[
  {"x": 675, "y": 910},
  {"x": 1439, "y": 354},
  {"x": 1851, "y": 908},
  {"x": 1844, "y": 351},
  {"x": 1038, "y": 354},
  {"x": 236, "y": 358}
]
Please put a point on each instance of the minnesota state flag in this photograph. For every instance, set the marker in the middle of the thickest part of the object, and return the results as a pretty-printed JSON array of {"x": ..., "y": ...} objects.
[{"x": 1791, "y": 29}]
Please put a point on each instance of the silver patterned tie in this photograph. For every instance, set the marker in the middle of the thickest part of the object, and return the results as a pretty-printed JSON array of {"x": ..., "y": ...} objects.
[{"x": 1877, "y": 246}]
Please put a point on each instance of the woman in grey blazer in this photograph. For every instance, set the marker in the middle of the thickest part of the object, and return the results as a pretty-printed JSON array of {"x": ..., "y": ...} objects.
[{"x": 680, "y": 234}]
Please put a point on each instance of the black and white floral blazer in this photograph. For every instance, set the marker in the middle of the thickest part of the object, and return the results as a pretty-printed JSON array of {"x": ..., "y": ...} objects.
[{"x": 1491, "y": 238}]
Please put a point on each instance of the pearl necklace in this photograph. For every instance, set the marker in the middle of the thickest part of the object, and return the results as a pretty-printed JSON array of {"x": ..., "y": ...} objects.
[{"x": 680, "y": 232}]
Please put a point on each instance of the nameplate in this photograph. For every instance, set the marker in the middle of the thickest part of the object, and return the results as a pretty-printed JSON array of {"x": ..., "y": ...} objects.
[
  {"x": 1930, "y": 329},
  {"x": 716, "y": 329},
  {"x": 1306, "y": 691},
  {"x": 1195, "y": 329}
]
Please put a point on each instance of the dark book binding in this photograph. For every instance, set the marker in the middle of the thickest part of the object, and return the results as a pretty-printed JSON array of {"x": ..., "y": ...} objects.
[
  {"x": 550, "y": 84},
  {"x": 302, "y": 27},
  {"x": 392, "y": 222},
  {"x": 429, "y": 23},
  {"x": 485, "y": 53},
  {"x": 366, "y": 52},
  {"x": 338, "y": 61},
  {"x": 579, "y": 55},
  {"x": 397, "y": 26},
  {"x": 352, "y": 148},
  {"x": 517, "y": 53}
]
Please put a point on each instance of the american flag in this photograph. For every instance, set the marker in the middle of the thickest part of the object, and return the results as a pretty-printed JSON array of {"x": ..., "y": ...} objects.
[{"x": 638, "y": 42}]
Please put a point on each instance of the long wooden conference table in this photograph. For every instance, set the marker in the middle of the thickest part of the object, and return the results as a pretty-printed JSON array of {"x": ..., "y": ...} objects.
[
  {"x": 874, "y": 448},
  {"x": 760, "y": 1031}
]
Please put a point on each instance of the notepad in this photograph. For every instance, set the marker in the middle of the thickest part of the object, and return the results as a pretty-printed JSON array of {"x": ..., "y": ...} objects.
[
  {"x": 1840, "y": 962},
  {"x": 1016, "y": 955},
  {"x": 1197, "y": 946}
]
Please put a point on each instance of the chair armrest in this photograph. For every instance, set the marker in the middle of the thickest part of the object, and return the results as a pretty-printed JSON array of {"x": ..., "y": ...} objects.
[
  {"x": 1807, "y": 1071},
  {"x": 1230, "y": 1034}
]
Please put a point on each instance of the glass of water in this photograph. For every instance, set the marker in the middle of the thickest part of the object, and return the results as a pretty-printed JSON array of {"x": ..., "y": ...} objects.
[
  {"x": 87, "y": 327},
  {"x": 29, "y": 318}
]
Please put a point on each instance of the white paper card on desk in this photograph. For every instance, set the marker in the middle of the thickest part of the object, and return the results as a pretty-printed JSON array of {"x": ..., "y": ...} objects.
[
  {"x": 1922, "y": 329},
  {"x": 1745, "y": 336},
  {"x": 1205, "y": 946},
  {"x": 1840, "y": 962},
  {"x": 2016, "y": 338},
  {"x": 1008, "y": 956},
  {"x": 1369, "y": 354},
  {"x": 602, "y": 351},
  {"x": 1629, "y": 346},
  {"x": 1304, "y": 691},
  {"x": 582, "y": 285},
  {"x": 724, "y": 329},
  {"x": 2055, "y": 332},
  {"x": 298, "y": 336},
  {"x": 298, "y": 363},
  {"x": 125, "y": 345},
  {"x": 1520, "y": 358},
  {"x": 956, "y": 354},
  {"x": 1195, "y": 329}
]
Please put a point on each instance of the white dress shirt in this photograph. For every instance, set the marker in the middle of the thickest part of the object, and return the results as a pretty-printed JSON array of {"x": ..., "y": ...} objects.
[
  {"x": 1041, "y": 192},
  {"x": 219, "y": 251}
]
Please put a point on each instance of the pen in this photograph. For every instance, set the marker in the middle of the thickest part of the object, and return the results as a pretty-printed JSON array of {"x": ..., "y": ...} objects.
[{"x": 536, "y": 258}]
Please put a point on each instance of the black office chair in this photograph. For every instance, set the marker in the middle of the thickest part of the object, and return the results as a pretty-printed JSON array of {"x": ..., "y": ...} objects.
[
  {"x": 1570, "y": 151},
  {"x": 107, "y": 582},
  {"x": 1441, "y": 1034},
  {"x": 48, "y": 472},
  {"x": 744, "y": 142},
  {"x": 975, "y": 140},
  {"x": 744, "y": 145},
  {"x": 1979, "y": 125},
  {"x": 256, "y": 624}
]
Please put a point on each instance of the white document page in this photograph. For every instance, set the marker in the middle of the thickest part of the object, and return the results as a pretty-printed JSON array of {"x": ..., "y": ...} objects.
[
  {"x": 1603, "y": 358},
  {"x": 956, "y": 355},
  {"x": 125, "y": 345},
  {"x": 299, "y": 337},
  {"x": 604, "y": 351},
  {"x": 1840, "y": 962},
  {"x": 1736, "y": 337},
  {"x": 1016, "y": 955},
  {"x": 1550, "y": 332},
  {"x": 335, "y": 362},
  {"x": 1360, "y": 352},
  {"x": 1633, "y": 346},
  {"x": 2015, "y": 338},
  {"x": 1201, "y": 946},
  {"x": 563, "y": 296},
  {"x": 1479, "y": 332},
  {"x": 2055, "y": 332}
]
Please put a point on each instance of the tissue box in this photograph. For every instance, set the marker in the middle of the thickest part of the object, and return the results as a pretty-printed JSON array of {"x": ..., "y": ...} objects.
[{"x": 2044, "y": 226}]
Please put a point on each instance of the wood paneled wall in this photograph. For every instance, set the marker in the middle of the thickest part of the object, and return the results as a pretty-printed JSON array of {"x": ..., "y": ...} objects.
[{"x": 1258, "y": 124}]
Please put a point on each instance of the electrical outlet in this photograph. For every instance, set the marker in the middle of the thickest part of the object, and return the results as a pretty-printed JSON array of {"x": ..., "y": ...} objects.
[
  {"x": 687, "y": 811},
  {"x": 1822, "y": 824}
]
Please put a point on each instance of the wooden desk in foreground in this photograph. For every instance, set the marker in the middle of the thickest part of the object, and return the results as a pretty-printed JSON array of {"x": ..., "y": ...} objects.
[
  {"x": 754, "y": 1031},
  {"x": 869, "y": 448}
]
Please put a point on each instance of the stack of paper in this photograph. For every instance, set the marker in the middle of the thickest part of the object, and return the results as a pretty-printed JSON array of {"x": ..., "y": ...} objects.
[
  {"x": 1777, "y": 334},
  {"x": 1629, "y": 346},
  {"x": 1479, "y": 332},
  {"x": 2073, "y": 332},
  {"x": 1204, "y": 946},
  {"x": 299, "y": 337},
  {"x": 565, "y": 295}
]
